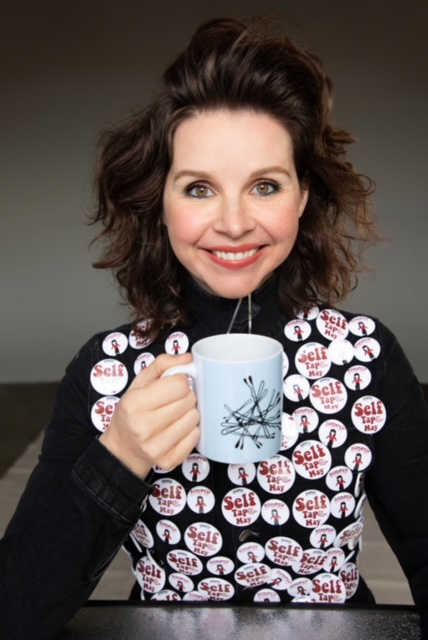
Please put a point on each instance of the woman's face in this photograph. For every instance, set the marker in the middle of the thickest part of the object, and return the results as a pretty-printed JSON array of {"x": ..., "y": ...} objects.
[{"x": 232, "y": 200}]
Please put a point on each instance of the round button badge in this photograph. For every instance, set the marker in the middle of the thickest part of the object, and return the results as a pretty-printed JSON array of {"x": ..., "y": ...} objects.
[
  {"x": 115, "y": 343},
  {"x": 241, "y": 507},
  {"x": 358, "y": 378},
  {"x": 328, "y": 395},
  {"x": 332, "y": 433},
  {"x": 311, "y": 508},
  {"x": 253, "y": 575},
  {"x": 275, "y": 512},
  {"x": 250, "y": 552},
  {"x": 332, "y": 324},
  {"x": 368, "y": 414},
  {"x": 367, "y": 349},
  {"x": 311, "y": 459},
  {"x": 297, "y": 330},
  {"x": 109, "y": 377},
  {"x": 168, "y": 532},
  {"x": 306, "y": 419},
  {"x": 102, "y": 412},
  {"x": 137, "y": 339},
  {"x": 327, "y": 587},
  {"x": 220, "y": 565},
  {"x": 168, "y": 497},
  {"x": 312, "y": 561},
  {"x": 313, "y": 360},
  {"x": 276, "y": 474},
  {"x": 196, "y": 467},
  {"x": 200, "y": 499},
  {"x": 241, "y": 474},
  {"x": 143, "y": 361},
  {"x": 177, "y": 343},
  {"x": 283, "y": 551},
  {"x": 216, "y": 589},
  {"x": 296, "y": 388},
  {"x": 184, "y": 562},
  {"x": 203, "y": 539},
  {"x": 362, "y": 326}
]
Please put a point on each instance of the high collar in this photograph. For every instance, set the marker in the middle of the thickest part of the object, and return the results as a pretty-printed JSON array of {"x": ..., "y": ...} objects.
[{"x": 211, "y": 314}]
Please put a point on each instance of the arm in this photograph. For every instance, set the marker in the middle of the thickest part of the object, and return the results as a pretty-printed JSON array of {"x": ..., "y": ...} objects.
[
  {"x": 397, "y": 484},
  {"x": 79, "y": 506}
]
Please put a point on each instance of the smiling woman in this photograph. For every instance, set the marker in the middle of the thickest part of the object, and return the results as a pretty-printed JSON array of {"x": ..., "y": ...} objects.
[{"x": 227, "y": 206}]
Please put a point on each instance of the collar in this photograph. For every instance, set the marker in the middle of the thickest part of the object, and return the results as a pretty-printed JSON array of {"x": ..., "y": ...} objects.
[{"x": 211, "y": 314}]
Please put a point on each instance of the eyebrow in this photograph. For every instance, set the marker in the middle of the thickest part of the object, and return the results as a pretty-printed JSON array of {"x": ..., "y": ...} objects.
[{"x": 206, "y": 176}]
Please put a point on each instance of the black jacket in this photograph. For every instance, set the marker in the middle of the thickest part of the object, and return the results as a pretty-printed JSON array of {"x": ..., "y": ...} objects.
[{"x": 81, "y": 504}]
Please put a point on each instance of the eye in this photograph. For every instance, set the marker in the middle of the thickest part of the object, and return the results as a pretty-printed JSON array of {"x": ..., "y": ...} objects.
[
  {"x": 199, "y": 191},
  {"x": 266, "y": 188}
]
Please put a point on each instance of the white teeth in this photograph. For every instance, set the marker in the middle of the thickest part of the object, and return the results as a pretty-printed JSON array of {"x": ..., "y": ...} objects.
[{"x": 234, "y": 257}]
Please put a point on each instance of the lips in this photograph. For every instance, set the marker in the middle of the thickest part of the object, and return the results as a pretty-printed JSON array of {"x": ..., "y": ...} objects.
[{"x": 235, "y": 257}]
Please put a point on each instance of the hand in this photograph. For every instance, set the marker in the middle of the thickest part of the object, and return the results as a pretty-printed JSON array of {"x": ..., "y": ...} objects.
[{"x": 156, "y": 420}]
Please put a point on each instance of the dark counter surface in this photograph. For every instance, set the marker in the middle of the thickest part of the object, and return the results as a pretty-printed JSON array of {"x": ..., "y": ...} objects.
[{"x": 161, "y": 621}]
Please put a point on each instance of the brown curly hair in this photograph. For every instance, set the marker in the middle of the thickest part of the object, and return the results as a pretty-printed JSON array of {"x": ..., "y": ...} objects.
[{"x": 233, "y": 64}]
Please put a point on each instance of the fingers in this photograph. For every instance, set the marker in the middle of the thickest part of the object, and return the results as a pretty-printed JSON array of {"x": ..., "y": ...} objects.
[
  {"x": 175, "y": 442},
  {"x": 155, "y": 370},
  {"x": 156, "y": 421}
]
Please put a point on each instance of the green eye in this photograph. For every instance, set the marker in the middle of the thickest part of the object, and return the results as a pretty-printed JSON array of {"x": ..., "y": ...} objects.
[
  {"x": 266, "y": 188},
  {"x": 199, "y": 191}
]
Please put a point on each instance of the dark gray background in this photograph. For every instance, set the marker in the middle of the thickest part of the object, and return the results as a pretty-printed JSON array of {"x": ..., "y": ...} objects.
[{"x": 69, "y": 69}]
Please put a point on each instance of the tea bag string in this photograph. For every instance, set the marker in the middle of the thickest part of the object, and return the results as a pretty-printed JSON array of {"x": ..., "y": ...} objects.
[{"x": 250, "y": 314}]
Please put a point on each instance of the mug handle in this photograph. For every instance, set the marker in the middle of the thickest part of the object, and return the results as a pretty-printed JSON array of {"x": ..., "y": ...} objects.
[{"x": 188, "y": 369}]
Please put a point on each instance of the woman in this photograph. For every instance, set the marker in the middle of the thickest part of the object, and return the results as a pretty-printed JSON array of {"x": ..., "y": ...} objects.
[{"x": 227, "y": 205}]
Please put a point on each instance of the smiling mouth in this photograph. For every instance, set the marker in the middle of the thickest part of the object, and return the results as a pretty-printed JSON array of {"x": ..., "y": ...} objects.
[
  {"x": 235, "y": 256},
  {"x": 240, "y": 259}
]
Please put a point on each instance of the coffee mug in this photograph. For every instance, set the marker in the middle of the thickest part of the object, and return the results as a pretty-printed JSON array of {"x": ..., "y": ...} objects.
[{"x": 237, "y": 379}]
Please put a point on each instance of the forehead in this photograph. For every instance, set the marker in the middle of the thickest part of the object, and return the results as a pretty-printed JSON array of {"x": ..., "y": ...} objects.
[{"x": 244, "y": 132}]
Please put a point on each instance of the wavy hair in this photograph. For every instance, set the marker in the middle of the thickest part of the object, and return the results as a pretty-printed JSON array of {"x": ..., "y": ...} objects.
[{"x": 233, "y": 64}]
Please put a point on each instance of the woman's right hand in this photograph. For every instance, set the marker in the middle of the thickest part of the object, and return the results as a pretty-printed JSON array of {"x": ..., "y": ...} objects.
[{"x": 156, "y": 420}]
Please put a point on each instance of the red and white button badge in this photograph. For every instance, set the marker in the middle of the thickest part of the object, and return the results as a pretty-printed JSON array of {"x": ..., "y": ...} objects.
[
  {"x": 332, "y": 324},
  {"x": 115, "y": 343},
  {"x": 311, "y": 508},
  {"x": 313, "y": 360},
  {"x": 311, "y": 459},
  {"x": 200, "y": 499},
  {"x": 184, "y": 562},
  {"x": 276, "y": 474},
  {"x": 297, "y": 330},
  {"x": 136, "y": 338},
  {"x": 283, "y": 551},
  {"x": 168, "y": 497},
  {"x": 143, "y": 361},
  {"x": 203, "y": 539},
  {"x": 109, "y": 377},
  {"x": 275, "y": 512},
  {"x": 332, "y": 433},
  {"x": 368, "y": 414},
  {"x": 328, "y": 395},
  {"x": 196, "y": 467},
  {"x": 177, "y": 343},
  {"x": 241, "y": 507},
  {"x": 102, "y": 412},
  {"x": 168, "y": 532}
]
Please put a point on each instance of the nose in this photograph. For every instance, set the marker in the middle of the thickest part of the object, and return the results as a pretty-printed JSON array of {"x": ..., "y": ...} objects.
[{"x": 234, "y": 218}]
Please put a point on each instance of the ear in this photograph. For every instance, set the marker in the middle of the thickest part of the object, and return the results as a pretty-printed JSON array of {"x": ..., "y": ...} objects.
[{"x": 304, "y": 195}]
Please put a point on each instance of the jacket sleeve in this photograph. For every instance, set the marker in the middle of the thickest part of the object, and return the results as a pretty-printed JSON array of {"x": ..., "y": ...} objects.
[
  {"x": 78, "y": 507},
  {"x": 397, "y": 485}
]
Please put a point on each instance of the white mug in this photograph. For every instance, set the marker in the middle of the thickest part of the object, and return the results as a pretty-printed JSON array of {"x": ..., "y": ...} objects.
[{"x": 237, "y": 378}]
